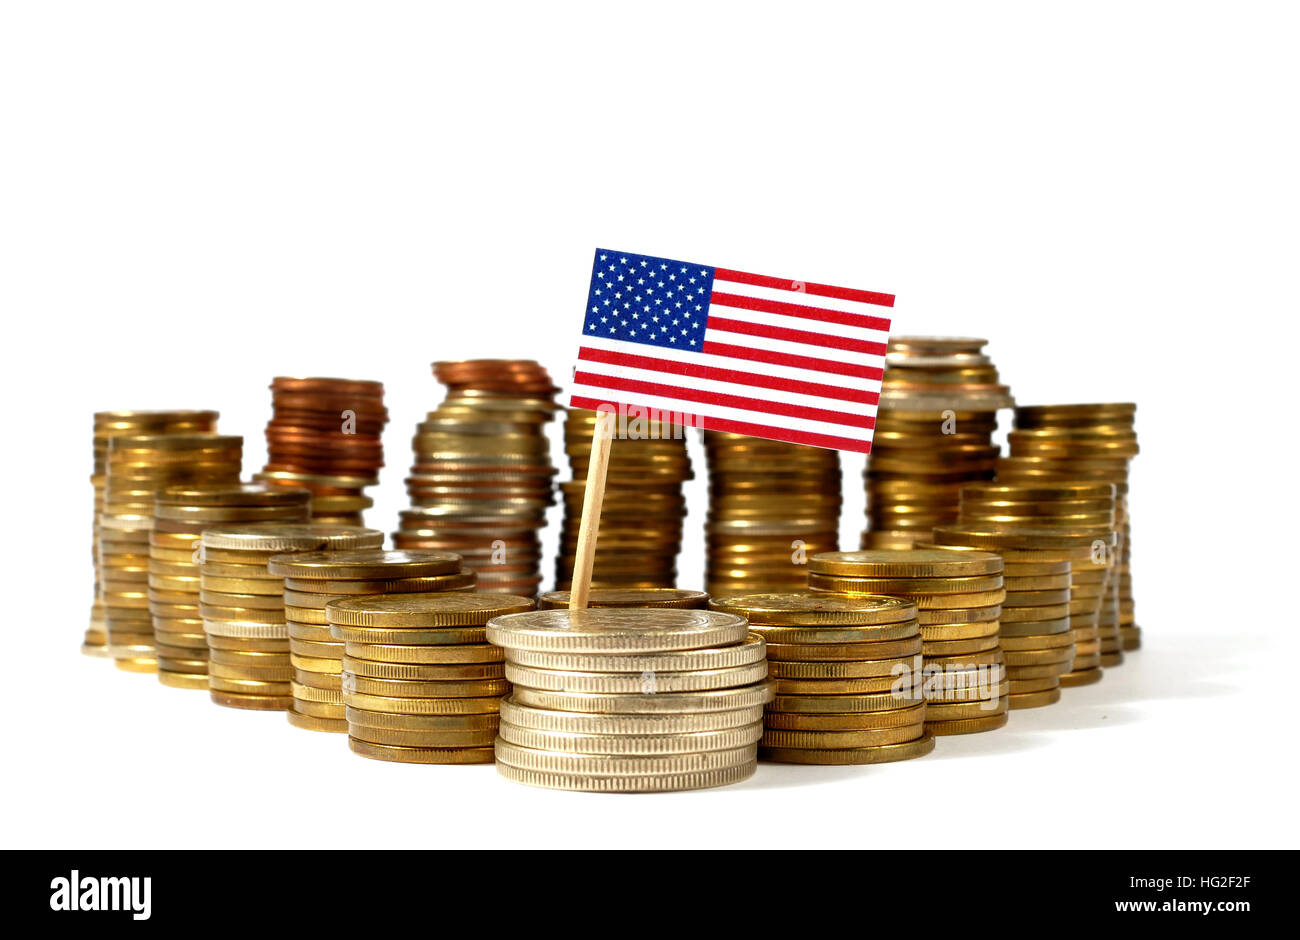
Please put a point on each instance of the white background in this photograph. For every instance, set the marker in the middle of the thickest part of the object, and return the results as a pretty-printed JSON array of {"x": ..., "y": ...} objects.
[{"x": 195, "y": 197}]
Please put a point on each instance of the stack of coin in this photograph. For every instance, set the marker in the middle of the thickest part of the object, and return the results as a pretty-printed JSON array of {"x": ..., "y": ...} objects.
[
  {"x": 482, "y": 476},
  {"x": 1087, "y": 442},
  {"x": 109, "y": 424},
  {"x": 1034, "y": 618},
  {"x": 139, "y": 466},
  {"x": 958, "y": 596},
  {"x": 1076, "y": 506},
  {"x": 643, "y": 510},
  {"x": 1077, "y": 661},
  {"x": 630, "y": 700},
  {"x": 771, "y": 505},
  {"x": 845, "y": 671},
  {"x": 324, "y": 435},
  {"x": 242, "y": 605},
  {"x": 630, "y": 597},
  {"x": 938, "y": 411},
  {"x": 421, "y": 684},
  {"x": 181, "y": 514},
  {"x": 313, "y": 580}
]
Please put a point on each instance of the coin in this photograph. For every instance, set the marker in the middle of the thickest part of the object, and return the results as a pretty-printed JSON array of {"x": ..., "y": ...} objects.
[
  {"x": 807, "y": 608},
  {"x": 425, "y": 610},
  {"x": 364, "y": 565},
  {"x": 672, "y": 703},
  {"x": 749, "y": 651},
  {"x": 884, "y": 565},
  {"x": 616, "y": 630},
  {"x": 632, "y": 745},
  {"x": 658, "y": 783},
  {"x": 612, "y": 724},
  {"x": 642, "y": 597},
  {"x": 876, "y": 754},
  {"x": 421, "y": 755}
]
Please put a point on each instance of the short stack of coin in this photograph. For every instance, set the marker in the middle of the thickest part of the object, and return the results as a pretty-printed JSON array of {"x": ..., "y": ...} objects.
[
  {"x": 629, "y": 700},
  {"x": 110, "y": 424},
  {"x": 1087, "y": 442},
  {"x": 1066, "y": 505},
  {"x": 771, "y": 505},
  {"x": 421, "y": 684},
  {"x": 630, "y": 597},
  {"x": 482, "y": 476},
  {"x": 641, "y": 517},
  {"x": 1078, "y": 663},
  {"x": 242, "y": 605},
  {"x": 325, "y": 435},
  {"x": 959, "y": 597},
  {"x": 312, "y": 580},
  {"x": 938, "y": 411},
  {"x": 181, "y": 514},
  {"x": 844, "y": 671},
  {"x": 138, "y": 467}
]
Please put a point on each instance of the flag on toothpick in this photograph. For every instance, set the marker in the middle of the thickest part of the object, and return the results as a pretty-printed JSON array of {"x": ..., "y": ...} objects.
[{"x": 729, "y": 351}]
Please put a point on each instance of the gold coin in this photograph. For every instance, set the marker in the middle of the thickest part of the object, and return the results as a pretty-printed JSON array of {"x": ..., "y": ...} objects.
[
  {"x": 424, "y": 688},
  {"x": 905, "y": 587},
  {"x": 839, "y": 652},
  {"x": 879, "y": 754},
  {"x": 950, "y": 711},
  {"x": 1038, "y": 657},
  {"x": 421, "y": 706},
  {"x": 839, "y": 704},
  {"x": 852, "y": 686},
  {"x": 312, "y": 723},
  {"x": 835, "y": 669},
  {"x": 486, "y": 721},
  {"x": 397, "y": 738},
  {"x": 425, "y": 610},
  {"x": 1081, "y": 677},
  {"x": 258, "y": 702},
  {"x": 1025, "y": 643},
  {"x": 959, "y": 631},
  {"x": 1034, "y": 699},
  {"x": 855, "y": 635},
  {"x": 1011, "y": 615},
  {"x": 417, "y": 672},
  {"x": 848, "y": 721},
  {"x": 364, "y": 565},
  {"x": 465, "y": 653},
  {"x": 882, "y": 563},
  {"x": 841, "y": 739},
  {"x": 1035, "y": 627},
  {"x": 967, "y": 725},
  {"x": 806, "y": 608},
  {"x": 421, "y": 755},
  {"x": 402, "y": 636},
  {"x": 644, "y": 597}
]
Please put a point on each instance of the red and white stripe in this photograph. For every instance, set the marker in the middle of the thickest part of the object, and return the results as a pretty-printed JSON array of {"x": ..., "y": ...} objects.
[{"x": 784, "y": 360}]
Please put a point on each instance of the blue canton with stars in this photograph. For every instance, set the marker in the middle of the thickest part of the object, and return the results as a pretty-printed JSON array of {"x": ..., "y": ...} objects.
[{"x": 644, "y": 299}]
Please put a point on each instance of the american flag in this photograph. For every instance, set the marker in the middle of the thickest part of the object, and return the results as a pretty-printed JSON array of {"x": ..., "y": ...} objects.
[{"x": 730, "y": 351}]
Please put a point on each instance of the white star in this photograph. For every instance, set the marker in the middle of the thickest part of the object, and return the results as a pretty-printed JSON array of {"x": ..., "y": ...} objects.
[
  {"x": 603, "y": 257},
  {"x": 678, "y": 304},
  {"x": 604, "y": 319},
  {"x": 692, "y": 342},
  {"x": 597, "y": 290},
  {"x": 664, "y": 266},
  {"x": 672, "y": 339},
  {"x": 643, "y": 263}
]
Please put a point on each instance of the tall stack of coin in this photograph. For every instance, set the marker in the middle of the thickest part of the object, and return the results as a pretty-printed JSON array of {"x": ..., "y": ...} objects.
[
  {"x": 181, "y": 514},
  {"x": 482, "y": 476},
  {"x": 1086, "y": 442},
  {"x": 630, "y": 700},
  {"x": 641, "y": 516},
  {"x": 958, "y": 596},
  {"x": 938, "y": 411},
  {"x": 771, "y": 505},
  {"x": 1079, "y": 507},
  {"x": 421, "y": 684},
  {"x": 325, "y": 435},
  {"x": 630, "y": 597},
  {"x": 110, "y": 424},
  {"x": 844, "y": 670},
  {"x": 242, "y": 605},
  {"x": 139, "y": 466},
  {"x": 1079, "y": 662},
  {"x": 313, "y": 580}
]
